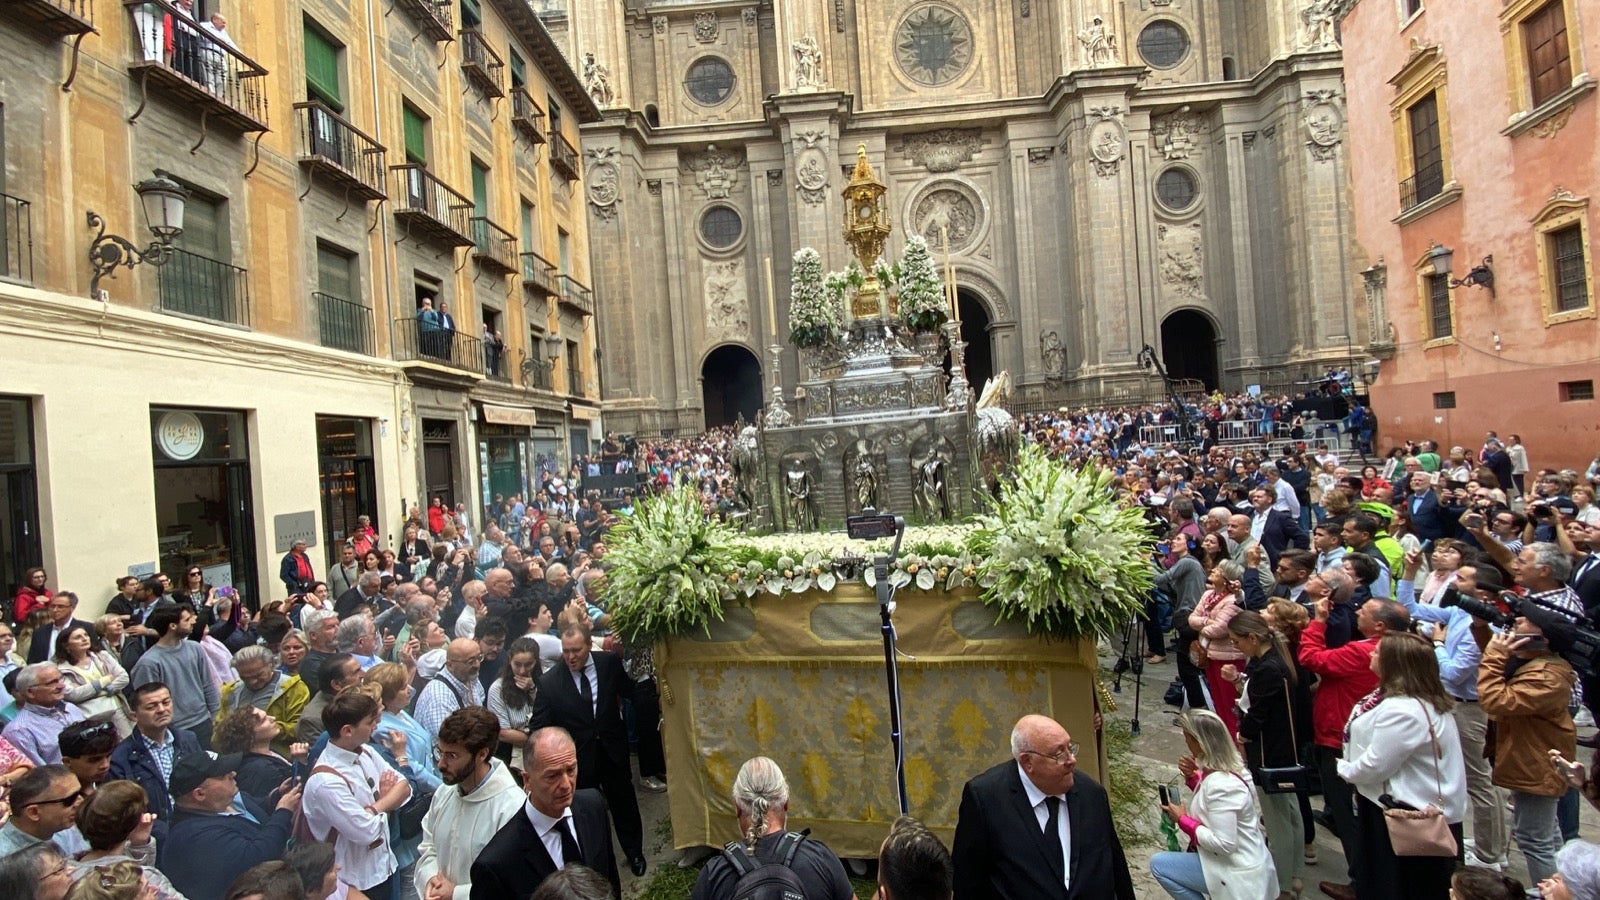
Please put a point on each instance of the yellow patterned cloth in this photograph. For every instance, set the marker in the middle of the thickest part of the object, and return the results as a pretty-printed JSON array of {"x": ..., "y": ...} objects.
[{"x": 800, "y": 678}]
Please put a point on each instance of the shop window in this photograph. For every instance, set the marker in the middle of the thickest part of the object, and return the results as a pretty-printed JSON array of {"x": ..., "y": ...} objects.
[
  {"x": 1566, "y": 266},
  {"x": 1420, "y": 110},
  {"x": 204, "y": 505},
  {"x": 20, "y": 547},
  {"x": 1577, "y": 390},
  {"x": 347, "y": 473}
]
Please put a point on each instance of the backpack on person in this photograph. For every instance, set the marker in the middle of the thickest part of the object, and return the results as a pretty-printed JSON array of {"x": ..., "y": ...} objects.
[{"x": 766, "y": 879}]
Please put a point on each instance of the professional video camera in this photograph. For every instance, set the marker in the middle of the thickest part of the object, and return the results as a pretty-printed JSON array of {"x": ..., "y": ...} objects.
[{"x": 1572, "y": 635}]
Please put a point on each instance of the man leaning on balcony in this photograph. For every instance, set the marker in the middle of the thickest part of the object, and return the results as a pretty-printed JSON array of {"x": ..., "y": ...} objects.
[{"x": 427, "y": 328}]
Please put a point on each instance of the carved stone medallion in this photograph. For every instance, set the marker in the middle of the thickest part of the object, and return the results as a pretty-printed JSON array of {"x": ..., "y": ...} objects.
[
  {"x": 952, "y": 207},
  {"x": 706, "y": 29},
  {"x": 603, "y": 180},
  {"x": 1324, "y": 122},
  {"x": 811, "y": 175}
]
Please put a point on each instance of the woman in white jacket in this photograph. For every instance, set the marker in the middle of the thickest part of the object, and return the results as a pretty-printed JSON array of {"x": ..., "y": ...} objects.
[
  {"x": 1401, "y": 741},
  {"x": 1223, "y": 822}
]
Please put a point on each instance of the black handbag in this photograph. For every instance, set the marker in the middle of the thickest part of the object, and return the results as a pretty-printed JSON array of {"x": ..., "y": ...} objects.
[{"x": 1295, "y": 779}]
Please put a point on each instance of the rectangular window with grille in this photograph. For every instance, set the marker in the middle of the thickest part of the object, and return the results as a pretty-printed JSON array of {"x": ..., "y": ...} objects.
[
  {"x": 1444, "y": 400},
  {"x": 1570, "y": 279},
  {"x": 1576, "y": 390},
  {"x": 1427, "y": 152},
  {"x": 1440, "y": 324},
  {"x": 1544, "y": 39}
]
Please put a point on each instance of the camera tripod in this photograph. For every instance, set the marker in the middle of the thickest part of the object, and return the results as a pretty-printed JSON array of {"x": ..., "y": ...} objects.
[{"x": 1133, "y": 636}]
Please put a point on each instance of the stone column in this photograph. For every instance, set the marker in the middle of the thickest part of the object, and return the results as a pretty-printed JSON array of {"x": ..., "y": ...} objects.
[{"x": 813, "y": 155}]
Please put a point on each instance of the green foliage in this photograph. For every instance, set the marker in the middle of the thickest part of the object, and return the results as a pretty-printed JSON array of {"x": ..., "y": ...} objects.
[
  {"x": 668, "y": 882},
  {"x": 1130, "y": 790},
  {"x": 922, "y": 298},
  {"x": 814, "y": 312},
  {"x": 1060, "y": 552},
  {"x": 668, "y": 568}
]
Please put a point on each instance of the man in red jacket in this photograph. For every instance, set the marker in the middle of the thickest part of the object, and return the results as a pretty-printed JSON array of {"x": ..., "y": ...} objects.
[{"x": 1344, "y": 676}]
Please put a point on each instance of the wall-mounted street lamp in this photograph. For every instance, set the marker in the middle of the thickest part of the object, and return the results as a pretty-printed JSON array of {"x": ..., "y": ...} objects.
[
  {"x": 552, "y": 347},
  {"x": 163, "y": 200},
  {"x": 1482, "y": 275}
]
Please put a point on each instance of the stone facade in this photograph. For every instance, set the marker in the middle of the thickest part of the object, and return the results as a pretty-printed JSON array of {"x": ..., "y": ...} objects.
[{"x": 1034, "y": 134}]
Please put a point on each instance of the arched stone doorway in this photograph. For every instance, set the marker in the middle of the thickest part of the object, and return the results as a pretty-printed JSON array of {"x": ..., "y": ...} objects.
[
  {"x": 975, "y": 331},
  {"x": 730, "y": 380},
  {"x": 1189, "y": 347}
]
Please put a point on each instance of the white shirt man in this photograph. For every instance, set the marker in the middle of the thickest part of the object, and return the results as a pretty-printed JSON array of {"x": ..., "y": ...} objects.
[{"x": 353, "y": 790}]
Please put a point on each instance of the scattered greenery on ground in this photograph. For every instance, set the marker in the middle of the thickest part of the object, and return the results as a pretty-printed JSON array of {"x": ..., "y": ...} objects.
[
  {"x": 1128, "y": 786},
  {"x": 670, "y": 883}
]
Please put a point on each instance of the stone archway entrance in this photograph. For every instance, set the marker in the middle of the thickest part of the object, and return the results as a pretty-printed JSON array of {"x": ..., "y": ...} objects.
[
  {"x": 1189, "y": 347},
  {"x": 975, "y": 331},
  {"x": 730, "y": 382}
]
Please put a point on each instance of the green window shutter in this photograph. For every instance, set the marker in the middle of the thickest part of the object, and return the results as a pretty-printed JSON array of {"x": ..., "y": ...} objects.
[
  {"x": 322, "y": 68},
  {"x": 471, "y": 14},
  {"x": 519, "y": 73},
  {"x": 416, "y": 136},
  {"x": 480, "y": 190},
  {"x": 527, "y": 227},
  {"x": 334, "y": 273}
]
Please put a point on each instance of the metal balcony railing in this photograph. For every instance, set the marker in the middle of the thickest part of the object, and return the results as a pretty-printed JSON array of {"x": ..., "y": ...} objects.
[
  {"x": 577, "y": 295},
  {"x": 329, "y": 144},
  {"x": 539, "y": 276},
  {"x": 57, "y": 17},
  {"x": 498, "y": 362},
  {"x": 430, "y": 208},
  {"x": 536, "y": 372},
  {"x": 526, "y": 116},
  {"x": 1426, "y": 184},
  {"x": 414, "y": 341},
  {"x": 343, "y": 324},
  {"x": 432, "y": 16},
  {"x": 564, "y": 157},
  {"x": 195, "y": 65},
  {"x": 483, "y": 67},
  {"x": 16, "y": 239},
  {"x": 198, "y": 285},
  {"x": 493, "y": 247}
]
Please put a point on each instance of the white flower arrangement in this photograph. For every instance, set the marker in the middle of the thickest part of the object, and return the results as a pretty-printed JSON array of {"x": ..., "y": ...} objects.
[
  {"x": 923, "y": 304},
  {"x": 815, "y": 313}
]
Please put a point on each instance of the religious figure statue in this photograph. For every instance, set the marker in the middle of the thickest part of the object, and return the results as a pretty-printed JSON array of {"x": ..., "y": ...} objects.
[
  {"x": 1055, "y": 355},
  {"x": 597, "y": 81},
  {"x": 807, "y": 63},
  {"x": 932, "y": 497},
  {"x": 797, "y": 485},
  {"x": 746, "y": 467},
  {"x": 1099, "y": 44},
  {"x": 1318, "y": 19},
  {"x": 866, "y": 482}
]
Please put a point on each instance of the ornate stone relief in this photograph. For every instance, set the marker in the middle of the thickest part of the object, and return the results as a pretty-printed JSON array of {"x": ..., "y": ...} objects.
[
  {"x": 1174, "y": 134},
  {"x": 1099, "y": 44},
  {"x": 653, "y": 185},
  {"x": 706, "y": 29},
  {"x": 1324, "y": 122},
  {"x": 748, "y": 16},
  {"x": 1054, "y": 356},
  {"x": 1040, "y": 155},
  {"x": 716, "y": 171},
  {"x": 1107, "y": 140},
  {"x": 1549, "y": 127},
  {"x": 948, "y": 206},
  {"x": 603, "y": 179},
  {"x": 1375, "y": 279},
  {"x": 659, "y": 23},
  {"x": 727, "y": 301},
  {"x": 1027, "y": 8},
  {"x": 1316, "y": 21},
  {"x": 811, "y": 166},
  {"x": 838, "y": 16},
  {"x": 807, "y": 63},
  {"x": 943, "y": 150},
  {"x": 1182, "y": 260},
  {"x": 774, "y": 177}
]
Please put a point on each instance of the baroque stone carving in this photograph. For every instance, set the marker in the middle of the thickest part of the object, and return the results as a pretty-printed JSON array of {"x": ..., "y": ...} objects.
[
  {"x": 597, "y": 81},
  {"x": 1054, "y": 356},
  {"x": 1549, "y": 127},
  {"x": 653, "y": 185},
  {"x": 807, "y": 63},
  {"x": 727, "y": 300},
  {"x": 1182, "y": 260},
  {"x": 603, "y": 179},
  {"x": 811, "y": 175},
  {"x": 1027, "y": 8},
  {"x": 774, "y": 177},
  {"x": 1324, "y": 122},
  {"x": 1107, "y": 140},
  {"x": 1375, "y": 279},
  {"x": 748, "y": 16},
  {"x": 716, "y": 171},
  {"x": 810, "y": 137},
  {"x": 1040, "y": 155},
  {"x": 943, "y": 150},
  {"x": 1316, "y": 21},
  {"x": 933, "y": 45},
  {"x": 1174, "y": 134},
  {"x": 706, "y": 28},
  {"x": 947, "y": 207},
  {"x": 1099, "y": 44},
  {"x": 838, "y": 16},
  {"x": 659, "y": 23}
]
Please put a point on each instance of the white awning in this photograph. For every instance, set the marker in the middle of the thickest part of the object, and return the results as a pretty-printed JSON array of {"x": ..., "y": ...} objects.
[
  {"x": 585, "y": 413},
  {"x": 508, "y": 415}
]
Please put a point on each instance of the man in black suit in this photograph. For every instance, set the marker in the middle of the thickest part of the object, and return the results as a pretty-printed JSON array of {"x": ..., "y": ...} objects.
[
  {"x": 1276, "y": 530},
  {"x": 1033, "y": 828},
  {"x": 62, "y": 607},
  {"x": 585, "y": 697},
  {"x": 560, "y": 825}
]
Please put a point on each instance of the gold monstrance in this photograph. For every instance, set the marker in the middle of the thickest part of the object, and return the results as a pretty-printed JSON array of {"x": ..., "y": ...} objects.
[{"x": 866, "y": 225}]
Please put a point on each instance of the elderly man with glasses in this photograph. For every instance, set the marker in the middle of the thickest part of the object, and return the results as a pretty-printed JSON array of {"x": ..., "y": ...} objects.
[
  {"x": 37, "y": 728},
  {"x": 455, "y": 687}
]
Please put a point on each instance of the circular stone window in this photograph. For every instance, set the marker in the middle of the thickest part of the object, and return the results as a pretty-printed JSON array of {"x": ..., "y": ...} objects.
[
  {"x": 721, "y": 227},
  {"x": 933, "y": 45},
  {"x": 1175, "y": 189},
  {"x": 1163, "y": 44},
  {"x": 710, "y": 80}
]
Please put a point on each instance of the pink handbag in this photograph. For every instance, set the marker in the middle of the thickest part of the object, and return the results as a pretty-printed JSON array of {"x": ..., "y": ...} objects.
[{"x": 1422, "y": 832}]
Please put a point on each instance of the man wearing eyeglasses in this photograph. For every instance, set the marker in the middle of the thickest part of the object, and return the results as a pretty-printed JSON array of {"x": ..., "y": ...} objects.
[
  {"x": 43, "y": 804},
  {"x": 455, "y": 687},
  {"x": 480, "y": 795},
  {"x": 38, "y": 725},
  {"x": 1037, "y": 808}
]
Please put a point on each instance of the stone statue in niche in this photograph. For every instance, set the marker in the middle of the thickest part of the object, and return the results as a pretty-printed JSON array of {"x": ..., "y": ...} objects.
[
  {"x": 797, "y": 488},
  {"x": 597, "y": 81},
  {"x": 1182, "y": 260},
  {"x": 932, "y": 497},
  {"x": 807, "y": 63},
  {"x": 1174, "y": 135},
  {"x": 864, "y": 476},
  {"x": 726, "y": 299},
  {"x": 1099, "y": 44},
  {"x": 1055, "y": 356},
  {"x": 1318, "y": 17}
]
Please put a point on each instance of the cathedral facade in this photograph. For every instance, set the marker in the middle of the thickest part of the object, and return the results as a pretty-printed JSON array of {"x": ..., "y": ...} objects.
[{"x": 1099, "y": 175}]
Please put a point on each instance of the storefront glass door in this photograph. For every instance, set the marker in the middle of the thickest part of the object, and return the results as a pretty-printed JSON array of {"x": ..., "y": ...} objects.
[
  {"x": 20, "y": 547},
  {"x": 348, "y": 477},
  {"x": 205, "y": 513}
]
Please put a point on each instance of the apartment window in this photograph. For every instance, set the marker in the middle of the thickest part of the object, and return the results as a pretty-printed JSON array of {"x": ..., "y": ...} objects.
[
  {"x": 553, "y": 109},
  {"x": 519, "y": 69},
  {"x": 336, "y": 271},
  {"x": 1409, "y": 8},
  {"x": 1576, "y": 390},
  {"x": 528, "y": 244},
  {"x": 480, "y": 189},
  {"x": 574, "y": 370},
  {"x": 563, "y": 241},
  {"x": 1570, "y": 278},
  {"x": 1444, "y": 400},
  {"x": 198, "y": 280},
  {"x": 1544, "y": 39},
  {"x": 471, "y": 14},
  {"x": 1427, "y": 153},
  {"x": 322, "y": 67},
  {"x": 1420, "y": 111},
  {"x": 1566, "y": 265},
  {"x": 416, "y": 128},
  {"x": 1441, "y": 320},
  {"x": 343, "y": 321}
]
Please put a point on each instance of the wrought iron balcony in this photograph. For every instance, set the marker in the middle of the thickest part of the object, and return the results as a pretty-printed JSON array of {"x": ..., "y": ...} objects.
[
  {"x": 1426, "y": 184},
  {"x": 196, "y": 285},
  {"x": 432, "y": 17},
  {"x": 493, "y": 247},
  {"x": 483, "y": 67},
  {"x": 343, "y": 324},
  {"x": 536, "y": 372},
  {"x": 414, "y": 341},
  {"x": 539, "y": 276},
  {"x": 576, "y": 295},
  {"x": 331, "y": 146},
  {"x": 429, "y": 208},
  {"x": 53, "y": 17},
  {"x": 187, "y": 61},
  {"x": 16, "y": 239},
  {"x": 564, "y": 157},
  {"x": 526, "y": 116},
  {"x": 498, "y": 363}
]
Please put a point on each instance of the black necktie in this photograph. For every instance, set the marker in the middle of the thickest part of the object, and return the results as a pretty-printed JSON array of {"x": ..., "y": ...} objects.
[
  {"x": 584, "y": 689},
  {"x": 570, "y": 855},
  {"x": 1052, "y": 839}
]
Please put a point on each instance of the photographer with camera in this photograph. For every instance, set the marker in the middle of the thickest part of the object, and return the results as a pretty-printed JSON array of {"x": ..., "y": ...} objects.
[{"x": 1525, "y": 686}]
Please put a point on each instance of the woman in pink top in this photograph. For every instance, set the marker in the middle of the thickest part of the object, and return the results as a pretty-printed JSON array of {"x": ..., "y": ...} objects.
[{"x": 1215, "y": 648}]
